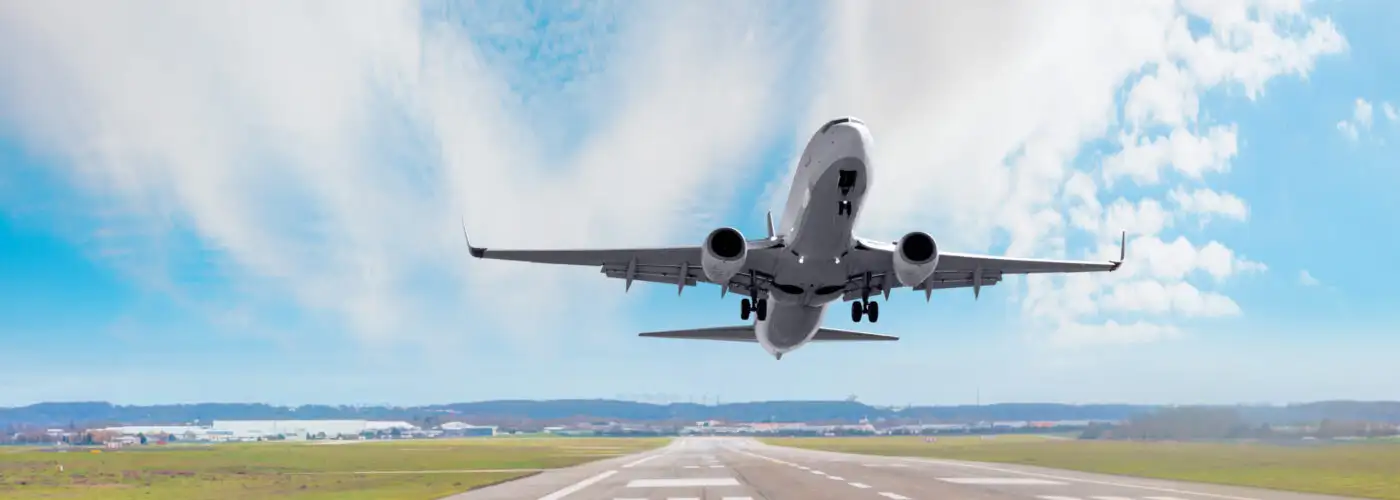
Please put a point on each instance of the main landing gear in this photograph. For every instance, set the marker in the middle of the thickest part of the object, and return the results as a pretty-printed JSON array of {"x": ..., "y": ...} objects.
[
  {"x": 867, "y": 308},
  {"x": 760, "y": 307}
]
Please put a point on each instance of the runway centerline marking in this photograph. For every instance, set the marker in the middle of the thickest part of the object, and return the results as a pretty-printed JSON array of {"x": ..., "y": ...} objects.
[
  {"x": 688, "y": 482},
  {"x": 578, "y": 486},
  {"x": 1077, "y": 480},
  {"x": 838, "y": 478},
  {"x": 1110, "y": 498},
  {"x": 736, "y": 498},
  {"x": 1003, "y": 481},
  {"x": 860, "y": 485},
  {"x": 1055, "y": 497},
  {"x": 894, "y": 496}
]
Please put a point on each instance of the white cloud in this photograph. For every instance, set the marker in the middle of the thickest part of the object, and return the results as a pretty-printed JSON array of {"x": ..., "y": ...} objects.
[
  {"x": 1389, "y": 110},
  {"x": 1189, "y": 154},
  {"x": 1362, "y": 115},
  {"x": 321, "y": 151},
  {"x": 1306, "y": 279},
  {"x": 980, "y": 142},
  {"x": 1206, "y": 203}
]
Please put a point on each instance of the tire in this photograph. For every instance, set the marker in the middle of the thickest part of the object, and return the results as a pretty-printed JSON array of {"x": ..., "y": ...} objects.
[
  {"x": 856, "y": 312},
  {"x": 745, "y": 307},
  {"x": 762, "y": 309},
  {"x": 873, "y": 311}
]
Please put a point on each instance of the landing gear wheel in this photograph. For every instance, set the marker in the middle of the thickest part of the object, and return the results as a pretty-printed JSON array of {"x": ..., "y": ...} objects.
[
  {"x": 762, "y": 309},
  {"x": 872, "y": 310},
  {"x": 745, "y": 307},
  {"x": 843, "y": 208},
  {"x": 856, "y": 311}
]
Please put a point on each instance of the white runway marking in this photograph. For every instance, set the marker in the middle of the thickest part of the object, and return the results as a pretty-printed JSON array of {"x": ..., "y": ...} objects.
[
  {"x": 682, "y": 483},
  {"x": 1053, "y": 497},
  {"x": 578, "y": 486},
  {"x": 682, "y": 498},
  {"x": 641, "y": 461},
  {"x": 716, "y": 466},
  {"x": 859, "y": 485},
  {"x": 895, "y": 496},
  {"x": 817, "y": 472},
  {"x": 838, "y": 478},
  {"x": 692, "y": 466},
  {"x": 1001, "y": 481},
  {"x": 1111, "y": 498},
  {"x": 1073, "y": 479},
  {"x": 1163, "y": 498},
  {"x": 737, "y": 498}
]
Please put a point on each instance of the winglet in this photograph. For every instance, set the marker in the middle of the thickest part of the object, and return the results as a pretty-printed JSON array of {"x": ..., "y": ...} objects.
[
  {"x": 1122, "y": 252},
  {"x": 771, "y": 232},
  {"x": 475, "y": 251}
]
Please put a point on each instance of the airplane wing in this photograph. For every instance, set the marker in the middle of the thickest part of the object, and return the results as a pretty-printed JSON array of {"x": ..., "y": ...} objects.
[
  {"x": 678, "y": 266},
  {"x": 957, "y": 270},
  {"x": 745, "y": 333}
]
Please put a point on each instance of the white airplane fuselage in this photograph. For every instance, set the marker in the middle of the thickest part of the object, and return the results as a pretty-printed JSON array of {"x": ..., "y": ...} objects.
[{"x": 830, "y": 182}]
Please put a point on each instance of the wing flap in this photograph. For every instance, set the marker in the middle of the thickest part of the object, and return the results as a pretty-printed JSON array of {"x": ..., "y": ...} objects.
[
  {"x": 834, "y": 335},
  {"x": 722, "y": 333}
]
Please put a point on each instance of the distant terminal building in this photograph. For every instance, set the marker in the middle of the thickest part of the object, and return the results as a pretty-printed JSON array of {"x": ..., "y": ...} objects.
[{"x": 251, "y": 430}]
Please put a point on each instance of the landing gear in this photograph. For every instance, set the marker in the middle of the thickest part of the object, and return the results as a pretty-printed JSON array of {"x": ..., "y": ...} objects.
[
  {"x": 846, "y": 179},
  {"x": 758, "y": 307},
  {"x": 867, "y": 308},
  {"x": 844, "y": 208}
]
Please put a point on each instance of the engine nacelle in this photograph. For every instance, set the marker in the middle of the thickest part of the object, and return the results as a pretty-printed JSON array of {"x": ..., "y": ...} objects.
[
  {"x": 725, "y": 252},
  {"x": 915, "y": 258}
]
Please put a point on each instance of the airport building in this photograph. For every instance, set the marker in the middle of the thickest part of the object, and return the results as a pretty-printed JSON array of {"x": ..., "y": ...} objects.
[{"x": 249, "y": 430}]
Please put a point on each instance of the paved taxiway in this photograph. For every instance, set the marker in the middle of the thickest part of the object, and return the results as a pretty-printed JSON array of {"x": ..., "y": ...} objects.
[{"x": 745, "y": 469}]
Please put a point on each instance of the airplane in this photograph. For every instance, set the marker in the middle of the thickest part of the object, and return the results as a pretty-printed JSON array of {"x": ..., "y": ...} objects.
[{"x": 809, "y": 259}]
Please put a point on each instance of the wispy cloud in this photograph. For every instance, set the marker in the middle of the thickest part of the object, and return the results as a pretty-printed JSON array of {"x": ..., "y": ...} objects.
[
  {"x": 1306, "y": 279},
  {"x": 1362, "y": 115},
  {"x": 321, "y": 152}
]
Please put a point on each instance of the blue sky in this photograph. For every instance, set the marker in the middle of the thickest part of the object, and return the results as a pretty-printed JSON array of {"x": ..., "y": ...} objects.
[{"x": 189, "y": 212}]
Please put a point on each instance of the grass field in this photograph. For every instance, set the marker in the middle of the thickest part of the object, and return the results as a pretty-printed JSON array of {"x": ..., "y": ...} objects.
[
  {"x": 1353, "y": 469},
  {"x": 405, "y": 469}
]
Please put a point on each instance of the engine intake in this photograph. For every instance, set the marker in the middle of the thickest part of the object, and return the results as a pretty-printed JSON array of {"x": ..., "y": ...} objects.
[
  {"x": 725, "y": 252},
  {"x": 915, "y": 258}
]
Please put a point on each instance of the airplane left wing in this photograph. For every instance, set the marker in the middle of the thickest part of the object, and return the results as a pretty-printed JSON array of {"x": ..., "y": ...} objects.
[
  {"x": 958, "y": 270},
  {"x": 678, "y": 266}
]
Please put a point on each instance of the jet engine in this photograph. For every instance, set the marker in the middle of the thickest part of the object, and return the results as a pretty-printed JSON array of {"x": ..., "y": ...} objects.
[
  {"x": 915, "y": 257},
  {"x": 725, "y": 251}
]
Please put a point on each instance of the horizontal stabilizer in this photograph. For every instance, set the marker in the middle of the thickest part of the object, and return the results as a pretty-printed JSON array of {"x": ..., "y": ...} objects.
[
  {"x": 725, "y": 333},
  {"x": 832, "y": 335},
  {"x": 746, "y": 334}
]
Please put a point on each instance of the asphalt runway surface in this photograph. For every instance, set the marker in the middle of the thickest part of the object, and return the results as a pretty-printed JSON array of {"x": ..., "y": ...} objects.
[{"x": 744, "y": 469}]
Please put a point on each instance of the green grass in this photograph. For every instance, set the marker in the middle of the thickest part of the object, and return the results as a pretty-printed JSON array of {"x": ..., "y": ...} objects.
[
  {"x": 302, "y": 471},
  {"x": 1362, "y": 469}
]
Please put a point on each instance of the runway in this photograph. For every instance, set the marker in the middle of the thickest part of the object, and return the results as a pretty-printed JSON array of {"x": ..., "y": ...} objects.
[{"x": 745, "y": 469}]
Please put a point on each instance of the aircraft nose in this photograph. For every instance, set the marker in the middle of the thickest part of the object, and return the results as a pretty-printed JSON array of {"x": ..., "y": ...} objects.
[{"x": 847, "y": 132}]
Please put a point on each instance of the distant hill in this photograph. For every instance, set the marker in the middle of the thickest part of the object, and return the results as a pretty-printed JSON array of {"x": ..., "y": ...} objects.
[{"x": 523, "y": 411}]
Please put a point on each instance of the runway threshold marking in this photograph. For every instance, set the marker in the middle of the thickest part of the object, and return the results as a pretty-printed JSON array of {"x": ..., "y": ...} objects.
[
  {"x": 1007, "y": 481},
  {"x": 688, "y": 482},
  {"x": 1075, "y": 480},
  {"x": 578, "y": 486}
]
